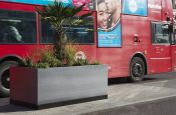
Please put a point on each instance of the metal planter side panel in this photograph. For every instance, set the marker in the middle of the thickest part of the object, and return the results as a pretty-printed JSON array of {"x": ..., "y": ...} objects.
[
  {"x": 71, "y": 83},
  {"x": 23, "y": 85}
]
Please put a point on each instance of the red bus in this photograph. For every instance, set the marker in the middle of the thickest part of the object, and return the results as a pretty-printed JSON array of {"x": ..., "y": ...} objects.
[{"x": 133, "y": 37}]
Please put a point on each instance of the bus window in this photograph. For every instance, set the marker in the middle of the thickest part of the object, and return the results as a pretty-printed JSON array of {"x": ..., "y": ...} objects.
[
  {"x": 81, "y": 34},
  {"x": 47, "y": 33},
  {"x": 17, "y": 27},
  {"x": 160, "y": 33}
]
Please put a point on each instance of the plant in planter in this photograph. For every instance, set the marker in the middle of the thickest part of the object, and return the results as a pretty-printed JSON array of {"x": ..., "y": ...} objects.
[
  {"x": 59, "y": 16},
  {"x": 53, "y": 79}
]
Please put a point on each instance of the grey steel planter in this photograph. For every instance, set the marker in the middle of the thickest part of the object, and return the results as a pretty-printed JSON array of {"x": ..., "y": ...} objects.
[{"x": 42, "y": 88}]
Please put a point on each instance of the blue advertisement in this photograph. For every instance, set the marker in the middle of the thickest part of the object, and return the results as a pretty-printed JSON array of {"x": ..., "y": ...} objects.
[
  {"x": 111, "y": 38},
  {"x": 109, "y": 24},
  {"x": 135, "y": 7},
  {"x": 41, "y": 2}
]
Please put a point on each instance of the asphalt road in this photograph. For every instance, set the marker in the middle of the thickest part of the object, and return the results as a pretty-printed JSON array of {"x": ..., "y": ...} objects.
[{"x": 147, "y": 79}]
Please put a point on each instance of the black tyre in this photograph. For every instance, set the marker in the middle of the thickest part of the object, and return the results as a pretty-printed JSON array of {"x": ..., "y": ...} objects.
[
  {"x": 5, "y": 78},
  {"x": 137, "y": 69}
]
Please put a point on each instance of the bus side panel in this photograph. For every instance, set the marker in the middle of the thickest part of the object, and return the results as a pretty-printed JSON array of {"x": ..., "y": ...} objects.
[
  {"x": 116, "y": 59},
  {"x": 160, "y": 58},
  {"x": 136, "y": 26},
  {"x": 20, "y": 51},
  {"x": 154, "y": 9},
  {"x": 17, "y": 6},
  {"x": 119, "y": 59}
]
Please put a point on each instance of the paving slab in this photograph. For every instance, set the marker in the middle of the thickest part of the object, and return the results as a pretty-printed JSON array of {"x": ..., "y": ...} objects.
[{"x": 150, "y": 98}]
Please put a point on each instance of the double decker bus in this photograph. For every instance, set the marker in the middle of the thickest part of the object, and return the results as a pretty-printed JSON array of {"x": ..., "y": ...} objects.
[{"x": 133, "y": 37}]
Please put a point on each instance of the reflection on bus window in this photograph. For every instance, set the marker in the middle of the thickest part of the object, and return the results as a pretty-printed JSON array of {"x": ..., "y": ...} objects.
[
  {"x": 160, "y": 33},
  {"x": 82, "y": 34},
  {"x": 18, "y": 27},
  {"x": 47, "y": 33}
]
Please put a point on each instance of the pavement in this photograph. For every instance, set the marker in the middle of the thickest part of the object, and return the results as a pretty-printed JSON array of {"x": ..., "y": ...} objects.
[{"x": 156, "y": 95}]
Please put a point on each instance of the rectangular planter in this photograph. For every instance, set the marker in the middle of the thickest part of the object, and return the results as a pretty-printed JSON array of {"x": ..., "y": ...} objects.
[{"x": 42, "y": 88}]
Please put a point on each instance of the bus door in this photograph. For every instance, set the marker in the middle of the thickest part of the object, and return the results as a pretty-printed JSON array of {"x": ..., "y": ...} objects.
[{"x": 160, "y": 57}]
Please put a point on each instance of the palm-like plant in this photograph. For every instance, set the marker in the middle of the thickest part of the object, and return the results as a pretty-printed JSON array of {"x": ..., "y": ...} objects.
[{"x": 59, "y": 15}]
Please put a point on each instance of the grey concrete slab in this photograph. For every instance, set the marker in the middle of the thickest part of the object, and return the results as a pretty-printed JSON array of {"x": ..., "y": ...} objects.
[{"x": 153, "y": 97}]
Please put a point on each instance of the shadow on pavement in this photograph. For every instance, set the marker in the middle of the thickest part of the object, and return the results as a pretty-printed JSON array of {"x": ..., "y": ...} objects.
[
  {"x": 115, "y": 81},
  {"x": 5, "y": 106},
  {"x": 13, "y": 108}
]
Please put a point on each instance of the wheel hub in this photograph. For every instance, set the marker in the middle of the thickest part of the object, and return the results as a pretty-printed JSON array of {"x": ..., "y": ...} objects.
[{"x": 137, "y": 70}]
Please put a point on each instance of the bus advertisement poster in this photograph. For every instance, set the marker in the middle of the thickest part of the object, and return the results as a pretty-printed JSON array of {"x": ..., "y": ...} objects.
[
  {"x": 135, "y": 7},
  {"x": 40, "y": 2},
  {"x": 109, "y": 24}
]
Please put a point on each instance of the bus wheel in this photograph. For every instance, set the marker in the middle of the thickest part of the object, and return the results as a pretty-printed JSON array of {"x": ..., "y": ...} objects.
[
  {"x": 137, "y": 69},
  {"x": 5, "y": 78}
]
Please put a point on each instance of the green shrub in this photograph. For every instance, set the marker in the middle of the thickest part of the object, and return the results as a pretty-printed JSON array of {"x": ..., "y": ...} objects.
[
  {"x": 28, "y": 62},
  {"x": 81, "y": 62},
  {"x": 47, "y": 59},
  {"x": 95, "y": 63},
  {"x": 42, "y": 65},
  {"x": 70, "y": 52}
]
